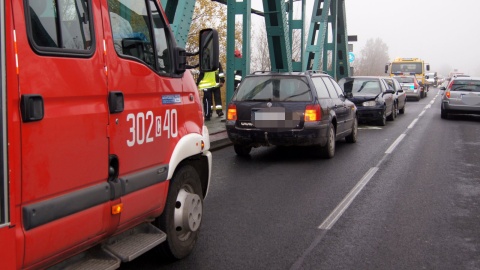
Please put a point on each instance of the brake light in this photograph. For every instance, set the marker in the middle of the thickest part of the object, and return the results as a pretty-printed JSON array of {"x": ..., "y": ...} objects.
[
  {"x": 415, "y": 84},
  {"x": 232, "y": 112},
  {"x": 313, "y": 113},
  {"x": 450, "y": 85},
  {"x": 447, "y": 94}
]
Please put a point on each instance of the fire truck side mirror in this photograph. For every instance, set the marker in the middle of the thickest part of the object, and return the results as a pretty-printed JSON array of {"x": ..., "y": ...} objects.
[
  {"x": 428, "y": 67},
  {"x": 386, "y": 68},
  {"x": 208, "y": 50}
]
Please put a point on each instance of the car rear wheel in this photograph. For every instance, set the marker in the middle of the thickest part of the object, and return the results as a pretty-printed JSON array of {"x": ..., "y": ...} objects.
[
  {"x": 402, "y": 110},
  {"x": 443, "y": 113},
  {"x": 328, "y": 150},
  {"x": 242, "y": 150},
  {"x": 352, "y": 138}
]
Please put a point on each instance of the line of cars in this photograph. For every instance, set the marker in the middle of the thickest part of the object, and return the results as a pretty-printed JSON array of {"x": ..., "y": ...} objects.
[{"x": 308, "y": 109}]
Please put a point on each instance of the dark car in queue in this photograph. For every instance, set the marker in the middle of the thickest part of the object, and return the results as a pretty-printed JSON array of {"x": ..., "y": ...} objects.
[
  {"x": 290, "y": 109},
  {"x": 461, "y": 96},
  {"x": 400, "y": 94},
  {"x": 375, "y": 101},
  {"x": 411, "y": 86}
]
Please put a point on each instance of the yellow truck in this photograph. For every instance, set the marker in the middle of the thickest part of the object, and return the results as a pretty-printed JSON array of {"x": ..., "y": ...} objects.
[{"x": 410, "y": 66}]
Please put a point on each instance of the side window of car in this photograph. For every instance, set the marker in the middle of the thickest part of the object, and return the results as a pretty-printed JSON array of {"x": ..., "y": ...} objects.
[
  {"x": 320, "y": 87},
  {"x": 60, "y": 26},
  {"x": 338, "y": 89},
  {"x": 389, "y": 83},
  {"x": 331, "y": 88}
]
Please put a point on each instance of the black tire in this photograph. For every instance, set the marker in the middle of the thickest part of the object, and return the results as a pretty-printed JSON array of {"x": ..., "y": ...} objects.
[
  {"x": 443, "y": 113},
  {"x": 242, "y": 150},
  {"x": 328, "y": 150},
  {"x": 383, "y": 120},
  {"x": 393, "y": 115},
  {"x": 182, "y": 216},
  {"x": 352, "y": 138},
  {"x": 402, "y": 110}
]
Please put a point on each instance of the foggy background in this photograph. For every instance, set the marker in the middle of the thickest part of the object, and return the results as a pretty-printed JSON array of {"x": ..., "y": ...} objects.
[{"x": 444, "y": 34}]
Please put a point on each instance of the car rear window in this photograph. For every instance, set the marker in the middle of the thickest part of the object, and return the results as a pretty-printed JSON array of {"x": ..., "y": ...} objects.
[
  {"x": 404, "y": 79},
  {"x": 360, "y": 86},
  {"x": 274, "y": 88},
  {"x": 466, "y": 85}
]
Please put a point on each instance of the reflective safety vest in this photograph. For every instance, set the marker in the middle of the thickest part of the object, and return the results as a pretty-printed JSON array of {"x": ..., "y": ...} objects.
[{"x": 209, "y": 80}]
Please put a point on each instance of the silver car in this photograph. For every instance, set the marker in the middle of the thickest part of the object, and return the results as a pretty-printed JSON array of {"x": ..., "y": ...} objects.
[
  {"x": 411, "y": 86},
  {"x": 461, "y": 96}
]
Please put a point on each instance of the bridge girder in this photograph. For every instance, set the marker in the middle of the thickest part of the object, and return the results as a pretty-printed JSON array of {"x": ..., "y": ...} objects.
[{"x": 319, "y": 53}]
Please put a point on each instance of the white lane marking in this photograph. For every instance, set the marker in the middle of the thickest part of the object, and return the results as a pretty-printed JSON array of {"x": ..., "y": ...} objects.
[
  {"x": 328, "y": 223},
  {"x": 413, "y": 123},
  {"x": 369, "y": 127},
  {"x": 395, "y": 143}
]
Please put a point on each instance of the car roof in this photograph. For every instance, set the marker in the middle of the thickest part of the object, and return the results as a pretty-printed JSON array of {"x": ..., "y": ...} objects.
[
  {"x": 466, "y": 78},
  {"x": 297, "y": 73},
  {"x": 366, "y": 77}
]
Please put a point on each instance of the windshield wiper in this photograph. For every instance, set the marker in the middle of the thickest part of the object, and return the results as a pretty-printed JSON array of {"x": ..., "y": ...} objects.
[{"x": 296, "y": 95}]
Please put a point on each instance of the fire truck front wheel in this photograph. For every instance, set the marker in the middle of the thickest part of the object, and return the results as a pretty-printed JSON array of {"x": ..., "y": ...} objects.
[{"x": 183, "y": 214}]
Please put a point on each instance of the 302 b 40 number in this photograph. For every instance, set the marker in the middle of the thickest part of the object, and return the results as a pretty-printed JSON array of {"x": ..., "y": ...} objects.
[{"x": 144, "y": 127}]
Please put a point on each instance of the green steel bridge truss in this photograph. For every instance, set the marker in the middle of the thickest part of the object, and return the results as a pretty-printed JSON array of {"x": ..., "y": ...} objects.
[{"x": 326, "y": 45}]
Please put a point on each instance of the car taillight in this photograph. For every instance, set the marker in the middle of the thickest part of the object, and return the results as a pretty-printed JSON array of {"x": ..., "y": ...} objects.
[
  {"x": 313, "y": 113},
  {"x": 232, "y": 112},
  {"x": 415, "y": 84},
  {"x": 450, "y": 85},
  {"x": 447, "y": 93}
]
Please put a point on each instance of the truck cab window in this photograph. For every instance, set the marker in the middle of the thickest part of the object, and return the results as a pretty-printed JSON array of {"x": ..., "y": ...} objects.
[
  {"x": 161, "y": 40},
  {"x": 130, "y": 29},
  {"x": 60, "y": 24}
]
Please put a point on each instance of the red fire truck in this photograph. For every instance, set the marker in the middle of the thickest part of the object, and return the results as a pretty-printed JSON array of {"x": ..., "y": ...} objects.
[{"x": 104, "y": 150}]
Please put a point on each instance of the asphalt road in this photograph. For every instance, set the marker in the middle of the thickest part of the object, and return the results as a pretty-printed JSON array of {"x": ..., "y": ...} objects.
[{"x": 405, "y": 196}]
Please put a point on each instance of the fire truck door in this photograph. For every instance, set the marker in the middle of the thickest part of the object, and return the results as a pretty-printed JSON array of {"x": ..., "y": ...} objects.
[
  {"x": 64, "y": 145},
  {"x": 146, "y": 127}
]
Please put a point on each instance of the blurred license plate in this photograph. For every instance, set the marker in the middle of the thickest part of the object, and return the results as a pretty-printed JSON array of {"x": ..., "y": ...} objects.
[
  {"x": 266, "y": 116},
  {"x": 271, "y": 118}
]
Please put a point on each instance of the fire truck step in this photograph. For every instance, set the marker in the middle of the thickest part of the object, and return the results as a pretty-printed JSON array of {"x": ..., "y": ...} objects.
[
  {"x": 95, "y": 258},
  {"x": 134, "y": 242}
]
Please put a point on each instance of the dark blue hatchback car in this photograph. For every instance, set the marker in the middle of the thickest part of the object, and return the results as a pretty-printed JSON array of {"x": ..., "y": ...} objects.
[{"x": 290, "y": 109}]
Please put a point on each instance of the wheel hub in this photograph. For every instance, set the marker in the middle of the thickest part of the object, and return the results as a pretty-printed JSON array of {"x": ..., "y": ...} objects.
[{"x": 188, "y": 213}]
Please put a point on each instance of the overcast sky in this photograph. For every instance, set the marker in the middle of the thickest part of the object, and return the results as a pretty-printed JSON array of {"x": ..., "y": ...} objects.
[{"x": 446, "y": 34}]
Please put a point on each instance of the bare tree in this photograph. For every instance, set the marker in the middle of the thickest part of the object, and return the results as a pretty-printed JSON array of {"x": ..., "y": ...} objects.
[
  {"x": 373, "y": 58},
  {"x": 260, "y": 60}
]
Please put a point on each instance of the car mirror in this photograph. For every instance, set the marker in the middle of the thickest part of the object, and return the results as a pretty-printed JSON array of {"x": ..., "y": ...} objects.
[
  {"x": 442, "y": 88},
  {"x": 400, "y": 91},
  {"x": 389, "y": 91},
  {"x": 348, "y": 94}
]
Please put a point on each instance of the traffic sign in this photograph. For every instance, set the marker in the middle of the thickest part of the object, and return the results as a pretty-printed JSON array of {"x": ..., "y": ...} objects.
[{"x": 351, "y": 57}]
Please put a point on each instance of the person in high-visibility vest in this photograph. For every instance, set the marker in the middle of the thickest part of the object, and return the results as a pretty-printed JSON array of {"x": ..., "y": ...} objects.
[
  {"x": 238, "y": 73},
  {"x": 210, "y": 83}
]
